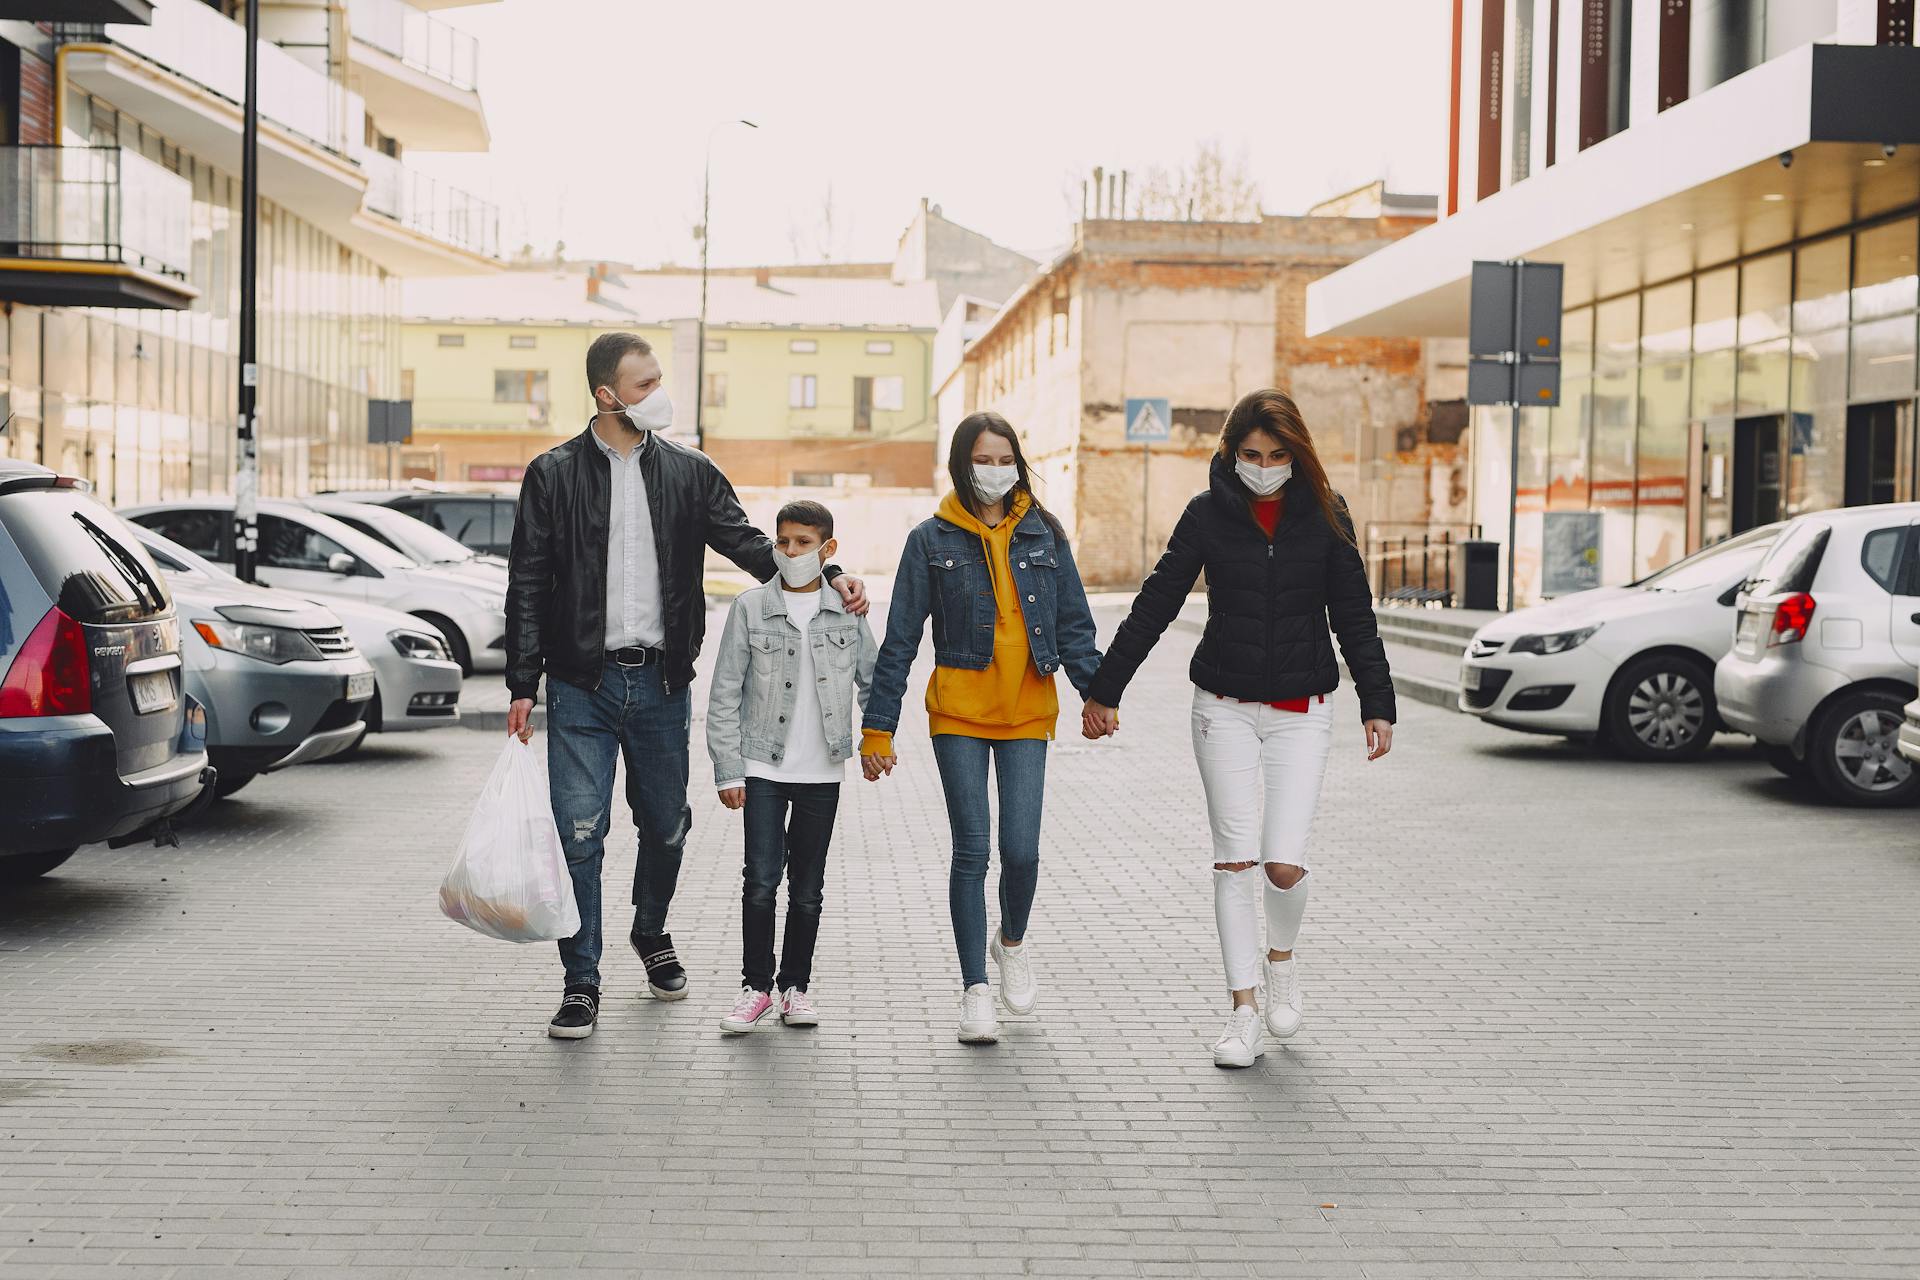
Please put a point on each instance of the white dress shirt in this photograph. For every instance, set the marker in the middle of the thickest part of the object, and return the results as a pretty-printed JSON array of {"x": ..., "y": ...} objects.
[{"x": 635, "y": 612}]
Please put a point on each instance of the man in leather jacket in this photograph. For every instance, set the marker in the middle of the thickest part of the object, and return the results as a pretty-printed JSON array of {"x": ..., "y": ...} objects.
[{"x": 605, "y": 596}]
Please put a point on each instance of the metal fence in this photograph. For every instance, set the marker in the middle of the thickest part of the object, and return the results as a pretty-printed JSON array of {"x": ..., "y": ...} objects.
[
  {"x": 1416, "y": 567},
  {"x": 102, "y": 204}
]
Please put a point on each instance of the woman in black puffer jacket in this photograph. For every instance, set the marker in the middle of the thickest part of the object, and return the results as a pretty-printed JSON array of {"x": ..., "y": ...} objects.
[{"x": 1277, "y": 547}]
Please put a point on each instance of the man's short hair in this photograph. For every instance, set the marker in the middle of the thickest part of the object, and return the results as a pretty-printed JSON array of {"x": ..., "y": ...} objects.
[
  {"x": 808, "y": 513},
  {"x": 606, "y": 353}
]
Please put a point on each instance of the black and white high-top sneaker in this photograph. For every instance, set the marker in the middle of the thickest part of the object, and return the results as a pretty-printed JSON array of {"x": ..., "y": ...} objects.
[
  {"x": 579, "y": 1010},
  {"x": 666, "y": 976}
]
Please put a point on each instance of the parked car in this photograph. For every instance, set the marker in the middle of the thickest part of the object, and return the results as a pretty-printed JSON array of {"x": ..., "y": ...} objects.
[
  {"x": 98, "y": 738},
  {"x": 416, "y": 681},
  {"x": 482, "y": 521},
  {"x": 1632, "y": 665},
  {"x": 311, "y": 554},
  {"x": 414, "y": 539},
  {"x": 1825, "y": 648}
]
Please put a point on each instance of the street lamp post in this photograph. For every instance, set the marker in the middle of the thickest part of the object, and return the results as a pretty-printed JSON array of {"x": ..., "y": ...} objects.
[
  {"x": 246, "y": 480},
  {"x": 700, "y": 354}
]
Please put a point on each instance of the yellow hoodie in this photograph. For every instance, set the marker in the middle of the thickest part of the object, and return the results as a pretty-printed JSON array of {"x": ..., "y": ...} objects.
[{"x": 1010, "y": 699}]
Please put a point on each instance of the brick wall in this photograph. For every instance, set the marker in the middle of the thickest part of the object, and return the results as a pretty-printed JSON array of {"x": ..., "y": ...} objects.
[{"x": 36, "y": 101}]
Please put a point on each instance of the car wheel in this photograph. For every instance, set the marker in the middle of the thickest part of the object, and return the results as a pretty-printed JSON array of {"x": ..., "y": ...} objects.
[
  {"x": 1785, "y": 762},
  {"x": 230, "y": 782},
  {"x": 456, "y": 642},
  {"x": 1854, "y": 754},
  {"x": 1660, "y": 707},
  {"x": 18, "y": 868}
]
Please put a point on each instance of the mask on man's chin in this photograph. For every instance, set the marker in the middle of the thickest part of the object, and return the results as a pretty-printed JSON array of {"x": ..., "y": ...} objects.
[{"x": 653, "y": 413}]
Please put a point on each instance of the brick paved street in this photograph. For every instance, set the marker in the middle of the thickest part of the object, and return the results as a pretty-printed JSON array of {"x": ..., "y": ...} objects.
[{"x": 1565, "y": 1017}]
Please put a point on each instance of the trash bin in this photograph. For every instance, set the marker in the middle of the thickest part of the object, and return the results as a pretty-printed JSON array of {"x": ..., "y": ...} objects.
[{"x": 1479, "y": 574}]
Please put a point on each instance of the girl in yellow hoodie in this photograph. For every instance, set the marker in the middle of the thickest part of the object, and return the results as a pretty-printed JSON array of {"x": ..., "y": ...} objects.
[{"x": 995, "y": 574}]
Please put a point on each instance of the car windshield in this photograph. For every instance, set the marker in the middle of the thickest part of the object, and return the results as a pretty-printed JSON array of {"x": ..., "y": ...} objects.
[
  {"x": 417, "y": 538},
  {"x": 372, "y": 550},
  {"x": 1713, "y": 565},
  {"x": 1792, "y": 561}
]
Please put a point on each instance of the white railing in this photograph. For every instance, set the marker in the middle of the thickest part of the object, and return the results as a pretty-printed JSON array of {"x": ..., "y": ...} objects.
[
  {"x": 102, "y": 204},
  {"x": 432, "y": 208},
  {"x": 196, "y": 41},
  {"x": 424, "y": 43}
]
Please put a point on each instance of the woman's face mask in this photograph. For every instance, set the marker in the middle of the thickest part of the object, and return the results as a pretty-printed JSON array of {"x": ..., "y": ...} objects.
[
  {"x": 654, "y": 413},
  {"x": 994, "y": 483},
  {"x": 1264, "y": 481}
]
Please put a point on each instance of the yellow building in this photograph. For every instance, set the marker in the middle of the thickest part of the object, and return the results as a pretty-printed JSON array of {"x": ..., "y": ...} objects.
[{"x": 810, "y": 379}]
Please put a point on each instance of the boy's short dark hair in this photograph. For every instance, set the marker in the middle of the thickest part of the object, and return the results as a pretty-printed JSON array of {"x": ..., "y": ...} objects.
[
  {"x": 808, "y": 513},
  {"x": 606, "y": 353}
]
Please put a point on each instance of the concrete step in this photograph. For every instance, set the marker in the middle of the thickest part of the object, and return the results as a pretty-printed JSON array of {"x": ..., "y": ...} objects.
[
  {"x": 1420, "y": 637},
  {"x": 1460, "y": 623}
]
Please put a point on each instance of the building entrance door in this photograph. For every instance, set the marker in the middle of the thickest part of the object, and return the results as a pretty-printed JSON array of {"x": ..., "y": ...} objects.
[
  {"x": 1879, "y": 453},
  {"x": 1756, "y": 472}
]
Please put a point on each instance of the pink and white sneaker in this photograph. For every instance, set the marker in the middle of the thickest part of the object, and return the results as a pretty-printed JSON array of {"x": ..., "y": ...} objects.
[
  {"x": 796, "y": 1010},
  {"x": 748, "y": 1010}
]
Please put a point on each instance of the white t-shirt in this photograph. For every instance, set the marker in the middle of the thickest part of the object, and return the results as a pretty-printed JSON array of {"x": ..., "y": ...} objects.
[{"x": 806, "y": 758}]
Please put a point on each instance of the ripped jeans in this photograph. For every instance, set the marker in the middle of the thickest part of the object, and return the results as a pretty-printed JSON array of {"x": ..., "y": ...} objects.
[{"x": 629, "y": 715}]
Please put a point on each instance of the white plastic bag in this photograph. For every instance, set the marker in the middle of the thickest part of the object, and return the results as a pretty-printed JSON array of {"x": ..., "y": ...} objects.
[{"x": 509, "y": 878}]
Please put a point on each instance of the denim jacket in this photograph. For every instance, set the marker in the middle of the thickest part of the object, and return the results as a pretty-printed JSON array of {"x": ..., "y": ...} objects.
[
  {"x": 752, "y": 699},
  {"x": 944, "y": 574}
]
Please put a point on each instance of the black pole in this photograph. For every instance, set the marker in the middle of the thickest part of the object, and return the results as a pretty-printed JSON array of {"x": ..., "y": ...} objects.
[
  {"x": 700, "y": 355},
  {"x": 246, "y": 482}
]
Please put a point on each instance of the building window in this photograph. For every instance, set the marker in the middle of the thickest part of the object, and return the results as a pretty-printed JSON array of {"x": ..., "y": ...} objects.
[
  {"x": 890, "y": 393},
  {"x": 716, "y": 397},
  {"x": 406, "y": 384},
  {"x": 716, "y": 344},
  {"x": 453, "y": 339},
  {"x": 813, "y": 479},
  {"x": 521, "y": 342},
  {"x": 520, "y": 386},
  {"x": 880, "y": 347},
  {"x": 802, "y": 391},
  {"x": 803, "y": 346}
]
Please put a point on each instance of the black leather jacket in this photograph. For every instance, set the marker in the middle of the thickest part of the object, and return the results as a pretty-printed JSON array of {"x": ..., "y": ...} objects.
[{"x": 557, "y": 579}]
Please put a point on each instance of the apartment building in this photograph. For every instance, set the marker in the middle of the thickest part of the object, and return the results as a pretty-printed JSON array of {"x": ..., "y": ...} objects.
[
  {"x": 1732, "y": 187},
  {"x": 120, "y": 160}
]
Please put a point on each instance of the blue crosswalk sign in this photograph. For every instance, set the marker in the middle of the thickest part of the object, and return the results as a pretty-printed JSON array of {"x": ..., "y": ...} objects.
[{"x": 1149, "y": 421}]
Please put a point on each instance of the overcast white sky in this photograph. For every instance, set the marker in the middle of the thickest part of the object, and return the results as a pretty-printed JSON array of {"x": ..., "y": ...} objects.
[{"x": 600, "y": 111}]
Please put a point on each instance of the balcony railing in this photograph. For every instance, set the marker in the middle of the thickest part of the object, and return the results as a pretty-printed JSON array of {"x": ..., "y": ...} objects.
[
  {"x": 432, "y": 208},
  {"x": 95, "y": 204},
  {"x": 426, "y": 44},
  {"x": 196, "y": 41}
]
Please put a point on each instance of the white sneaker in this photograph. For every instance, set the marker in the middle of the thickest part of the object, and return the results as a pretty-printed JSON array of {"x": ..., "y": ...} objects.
[
  {"x": 1242, "y": 1043},
  {"x": 1017, "y": 988},
  {"x": 796, "y": 1010},
  {"x": 977, "y": 1023},
  {"x": 1283, "y": 999}
]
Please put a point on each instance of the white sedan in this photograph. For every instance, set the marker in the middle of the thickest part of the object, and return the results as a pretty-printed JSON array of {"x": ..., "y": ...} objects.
[{"x": 1632, "y": 665}]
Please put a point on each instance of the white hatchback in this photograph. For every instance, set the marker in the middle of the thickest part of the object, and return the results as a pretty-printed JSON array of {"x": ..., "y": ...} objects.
[
  {"x": 1632, "y": 665},
  {"x": 312, "y": 554}
]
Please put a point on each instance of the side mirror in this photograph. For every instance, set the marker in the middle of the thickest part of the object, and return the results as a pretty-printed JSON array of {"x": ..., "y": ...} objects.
[{"x": 341, "y": 562}]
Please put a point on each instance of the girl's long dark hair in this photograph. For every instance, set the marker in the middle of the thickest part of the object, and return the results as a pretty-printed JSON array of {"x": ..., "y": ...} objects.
[
  {"x": 960, "y": 465},
  {"x": 1275, "y": 413}
]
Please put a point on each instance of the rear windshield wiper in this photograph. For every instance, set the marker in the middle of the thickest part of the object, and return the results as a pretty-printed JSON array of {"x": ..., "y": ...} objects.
[{"x": 137, "y": 577}]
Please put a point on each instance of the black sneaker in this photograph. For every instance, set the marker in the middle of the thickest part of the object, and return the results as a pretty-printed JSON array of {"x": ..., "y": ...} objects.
[
  {"x": 666, "y": 976},
  {"x": 579, "y": 1009}
]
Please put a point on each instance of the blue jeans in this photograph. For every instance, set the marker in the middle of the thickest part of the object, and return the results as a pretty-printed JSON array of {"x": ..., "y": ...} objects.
[
  {"x": 1020, "y": 770},
  {"x": 789, "y": 826},
  {"x": 630, "y": 714}
]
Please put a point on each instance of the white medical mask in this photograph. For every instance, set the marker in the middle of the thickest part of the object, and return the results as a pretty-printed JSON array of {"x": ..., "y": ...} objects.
[
  {"x": 1264, "y": 481},
  {"x": 655, "y": 413},
  {"x": 797, "y": 571},
  {"x": 994, "y": 483}
]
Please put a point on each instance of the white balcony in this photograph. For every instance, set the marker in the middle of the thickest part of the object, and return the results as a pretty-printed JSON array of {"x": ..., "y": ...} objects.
[
  {"x": 419, "y": 76},
  {"x": 415, "y": 225},
  {"x": 185, "y": 76},
  {"x": 93, "y": 226}
]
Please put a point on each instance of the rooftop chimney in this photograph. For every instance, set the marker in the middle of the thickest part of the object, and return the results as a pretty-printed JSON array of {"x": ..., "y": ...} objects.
[
  {"x": 763, "y": 277},
  {"x": 593, "y": 285}
]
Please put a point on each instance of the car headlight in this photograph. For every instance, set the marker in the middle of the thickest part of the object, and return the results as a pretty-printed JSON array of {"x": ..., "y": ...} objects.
[
  {"x": 417, "y": 644},
  {"x": 1558, "y": 642},
  {"x": 269, "y": 644}
]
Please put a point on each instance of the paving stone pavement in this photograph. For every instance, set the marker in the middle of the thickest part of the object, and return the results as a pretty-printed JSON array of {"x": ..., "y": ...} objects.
[{"x": 1565, "y": 1017}]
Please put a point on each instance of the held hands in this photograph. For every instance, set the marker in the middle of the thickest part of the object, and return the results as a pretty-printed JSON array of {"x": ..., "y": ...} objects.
[
  {"x": 733, "y": 797},
  {"x": 1099, "y": 721},
  {"x": 874, "y": 766},
  {"x": 853, "y": 593},
  {"x": 1379, "y": 738},
  {"x": 520, "y": 718}
]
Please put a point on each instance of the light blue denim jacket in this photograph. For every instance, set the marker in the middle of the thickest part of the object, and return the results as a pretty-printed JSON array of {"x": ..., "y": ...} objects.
[
  {"x": 944, "y": 575},
  {"x": 750, "y": 707}
]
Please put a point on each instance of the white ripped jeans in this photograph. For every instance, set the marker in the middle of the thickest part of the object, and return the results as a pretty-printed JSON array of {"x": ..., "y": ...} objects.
[{"x": 1261, "y": 768}]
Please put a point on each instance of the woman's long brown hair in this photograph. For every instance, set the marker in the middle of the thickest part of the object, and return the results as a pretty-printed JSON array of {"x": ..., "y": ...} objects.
[{"x": 1275, "y": 413}]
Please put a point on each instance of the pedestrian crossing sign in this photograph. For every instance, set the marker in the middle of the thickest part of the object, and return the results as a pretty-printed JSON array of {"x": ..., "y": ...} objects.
[{"x": 1149, "y": 421}]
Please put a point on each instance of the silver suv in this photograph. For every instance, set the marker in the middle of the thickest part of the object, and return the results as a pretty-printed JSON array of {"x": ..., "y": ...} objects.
[{"x": 1826, "y": 639}]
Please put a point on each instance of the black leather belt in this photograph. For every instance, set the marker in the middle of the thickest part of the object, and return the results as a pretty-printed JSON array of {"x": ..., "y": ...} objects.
[{"x": 633, "y": 657}]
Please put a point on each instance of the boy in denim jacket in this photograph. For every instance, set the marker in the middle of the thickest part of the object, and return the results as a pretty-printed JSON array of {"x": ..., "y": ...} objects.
[{"x": 780, "y": 731}]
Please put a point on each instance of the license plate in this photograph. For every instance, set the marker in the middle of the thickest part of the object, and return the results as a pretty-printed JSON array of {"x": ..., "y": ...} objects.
[
  {"x": 1469, "y": 678},
  {"x": 360, "y": 686},
  {"x": 152, "y": 691}
]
